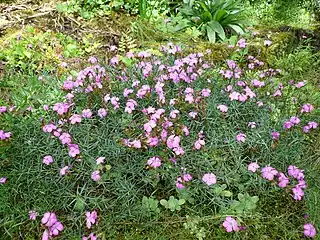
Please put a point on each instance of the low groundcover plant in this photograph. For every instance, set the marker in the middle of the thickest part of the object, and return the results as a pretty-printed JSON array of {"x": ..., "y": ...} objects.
[{"x": 163, "y": 123}]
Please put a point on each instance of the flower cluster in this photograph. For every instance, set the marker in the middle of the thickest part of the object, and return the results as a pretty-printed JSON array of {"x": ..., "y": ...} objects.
[{"x": 54, "y": 227}]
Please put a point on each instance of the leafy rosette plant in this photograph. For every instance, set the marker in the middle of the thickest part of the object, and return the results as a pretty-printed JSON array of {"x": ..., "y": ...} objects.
[{"x": 215, "y": 18}]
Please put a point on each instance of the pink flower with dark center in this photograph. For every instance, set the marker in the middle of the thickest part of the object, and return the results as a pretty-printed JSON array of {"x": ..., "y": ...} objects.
[
  {"x": 277, "y": 93},
  {"x": 307, "y": 108},
  {"x": 95, "y": 175},
  {"x": 269, "y": 173},
  {"x": 92, "y": 218},
  {"x": 309, "y": 230},
  {"x": 47, "y": 160},
  {"x": 297, "y": 193},
  {"x": 154, "y": 162},
  {"x": 178, "y": 151},
  {"x": 222, "y": 108},
  {"x": 241, "y": 137},
  {"x": 209, "y": 179},
  {"x": 75, "y": 118},
  {"x": 231, "y": 225},
  {"x": 253, "y": 167}
]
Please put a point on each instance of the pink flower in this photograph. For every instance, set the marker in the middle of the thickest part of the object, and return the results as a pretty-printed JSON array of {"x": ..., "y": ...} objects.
[
  {"x": 257, "y": 83},
  {"x": 307, "y": 108},
  {"x": 173, "y": 141},
  {"x": 275, "y": 135},
  {"x": 95, "y": 175},
  {"x": 65, "y": 138},
  {"x": 309, "y": 230},
  {"x": 313, "y": 125},
  {"x": 149, "y": 126},
  {"x": 4, "y": 135},
  {"x": 91, "y": 218},
  {"x": 267, "y": 43},
  {"x": 3, "y": 109},
  {"x": 74, "y": 150},
  {"x": 187, "y": 177},
  {"x": 33, "y": 215},
  {"x": 86, "y": 113},
  {"x": 154, "y": 162},
  {"x": 56, "y": 228},
  {"x": 234, "y": 96},
  {"x": 283, "y": 180},
  {"x": 242, "y": 43},
  {"x": 277, "y": 93},
  {"x": 75, "y": 118},
  {"x": 173, "y": 113},
  {"x": 205, "y": 92},
  {"x": 287, "y": 125},
  {"x": 295, "y": 172},
  {"x": 300, "y": 84},
  {"x": 136, "y": 143},
  {"x": 199, "y": 143},
  {"x": 253, "y": 167},
  {"x": 241, "y": 137},
  {"x": 47, "y": 160},
  {"x": 91, "y": 237},
  {"x": 222, "y": 108},
  {"x": 294, "y": 120},
  {"x": 45, "y": 107},
  {"x": 45, "y": 235},
  {"x": 49, "y": 219},
  {"x": 127, "y": 91},
  {"x": 252, "y": 125},
  {"x": 193, "y": 114},
  {"x": 153, "y": 141},
  {"x": 49, "y": 128},
  {"x": 297, "y": 193},
  {"x": 92, "y": 60},
  {"x": 68, "y": 85},
  {"x": 61, "y": 108},
  {"x": 3, "y": 180},
  {"x": 100, "y": 160},
  {"x": 63, "y": 170},
  {"x": 185, "y": 130},
  {"x": 209, "y": 179},
  {"x": 102, "y": 112},
  {"x": 269, "y": 173},
  {"x": 230, "y": 224}
]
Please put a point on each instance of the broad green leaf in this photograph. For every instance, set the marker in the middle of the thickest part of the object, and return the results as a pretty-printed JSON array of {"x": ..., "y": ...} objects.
[
  {"x": 211, "y": 34},
  {"x": 218, "y": 29},
  {"x": 236, "y": 28}
]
